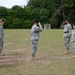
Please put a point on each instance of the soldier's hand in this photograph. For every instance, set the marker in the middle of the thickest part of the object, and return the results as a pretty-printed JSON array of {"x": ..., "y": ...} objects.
[{"x": 39, "y": 23}]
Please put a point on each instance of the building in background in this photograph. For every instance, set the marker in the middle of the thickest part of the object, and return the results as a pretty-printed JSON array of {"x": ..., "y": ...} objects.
[{"x": 47, "y": 26}]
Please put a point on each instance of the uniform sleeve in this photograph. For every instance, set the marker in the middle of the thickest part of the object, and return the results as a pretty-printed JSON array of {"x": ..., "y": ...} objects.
[
  {"x": 2, "y": 32},
  {"x": 38, "y": 29},
  {"x": 62, "y": 26},
  {"x": 73, "y": 35},
  {"x": 70, "y": 31}
]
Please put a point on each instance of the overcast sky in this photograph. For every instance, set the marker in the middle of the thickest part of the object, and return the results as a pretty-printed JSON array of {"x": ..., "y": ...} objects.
[{"x": 10, "y": 3}]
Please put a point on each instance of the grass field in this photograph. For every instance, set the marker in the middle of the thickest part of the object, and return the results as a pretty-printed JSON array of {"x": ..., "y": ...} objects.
[{"x": 53, "y": 61}]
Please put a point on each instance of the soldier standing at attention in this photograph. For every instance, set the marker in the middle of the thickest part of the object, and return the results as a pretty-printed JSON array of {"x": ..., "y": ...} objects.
[
  {"x": 1, "y": 36},
  {"x": 67, "y": 35},
  {"x": 35, "y": 35},
  {"x": 73, "y": 40}
]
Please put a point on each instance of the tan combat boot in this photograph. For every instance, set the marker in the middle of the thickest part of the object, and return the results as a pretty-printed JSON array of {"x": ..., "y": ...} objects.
[{"x": 66, "y": 52}]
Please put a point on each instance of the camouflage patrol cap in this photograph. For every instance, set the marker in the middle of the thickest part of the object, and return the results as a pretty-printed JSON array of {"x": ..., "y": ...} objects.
[{"x": 36, "y": 21}]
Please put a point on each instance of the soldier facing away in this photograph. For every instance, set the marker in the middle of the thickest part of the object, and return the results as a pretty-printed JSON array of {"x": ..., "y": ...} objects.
[
  {"x": 67, "y": 35},
  {"x": 35, "y": 35},
  {"x": 1, "y": 36},
  {"x": 73, "y": 40}
]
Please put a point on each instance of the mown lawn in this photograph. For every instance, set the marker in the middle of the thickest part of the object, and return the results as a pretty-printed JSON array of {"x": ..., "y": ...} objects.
[{"x": 52, "y": 60}]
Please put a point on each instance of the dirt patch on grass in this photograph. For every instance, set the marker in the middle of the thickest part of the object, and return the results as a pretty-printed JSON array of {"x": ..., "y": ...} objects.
[
  {"x": 7, "y": 44},
  {"x": 11, "y": 59},
  {"x": 20, "y": 50},
  {"x": 43, "y": 59},
  {"x": 6, "y": 60}
]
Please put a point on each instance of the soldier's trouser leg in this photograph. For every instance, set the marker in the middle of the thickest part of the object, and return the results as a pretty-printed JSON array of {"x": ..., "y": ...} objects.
[
  {"x": 67, "y": 42},
  {"x": 34, "y": 47},
  {"x": 73, "y": 47},
  {"x": 1, "y": 44}
]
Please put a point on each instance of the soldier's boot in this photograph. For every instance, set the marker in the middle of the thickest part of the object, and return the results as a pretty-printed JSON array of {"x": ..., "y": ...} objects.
[
  {"x": 66, "y": 52},
  {"x": 35, "y": 58},
  {"x": 2, "y": 54}
]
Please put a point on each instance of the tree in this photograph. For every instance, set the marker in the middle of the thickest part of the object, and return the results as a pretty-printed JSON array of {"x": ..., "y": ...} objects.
[{"x": 47, "y": 11}]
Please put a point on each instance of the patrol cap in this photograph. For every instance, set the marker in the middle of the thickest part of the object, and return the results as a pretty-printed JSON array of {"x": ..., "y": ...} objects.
[{"x": 36, "y": 21}]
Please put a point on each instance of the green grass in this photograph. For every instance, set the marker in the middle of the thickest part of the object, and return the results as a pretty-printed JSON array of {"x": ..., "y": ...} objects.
[{"x": 51, "y": 49}]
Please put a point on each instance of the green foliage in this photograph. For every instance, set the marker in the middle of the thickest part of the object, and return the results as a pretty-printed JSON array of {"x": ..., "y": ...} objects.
[
  {"x": 53, "y": 11},
  {"x": 3, "y": 12},
  {"x": 47, "y": 11},
  {"x": 27, "y": 24}
]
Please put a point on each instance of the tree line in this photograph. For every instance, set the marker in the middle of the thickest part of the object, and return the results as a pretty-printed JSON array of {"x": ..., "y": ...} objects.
[{"x": 47, "y": 11}]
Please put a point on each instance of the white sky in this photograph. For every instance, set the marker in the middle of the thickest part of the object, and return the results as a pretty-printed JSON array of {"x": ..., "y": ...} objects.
[{"x": 10, "y": 3}]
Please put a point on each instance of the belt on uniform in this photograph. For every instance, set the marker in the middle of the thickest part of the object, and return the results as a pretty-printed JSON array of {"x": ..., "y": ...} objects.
[{"x": 66, "y": 32}]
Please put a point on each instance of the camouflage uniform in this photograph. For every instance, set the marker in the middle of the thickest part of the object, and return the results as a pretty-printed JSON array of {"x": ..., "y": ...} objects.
[
  {"x": 73, "y": 41},
  {"x": 67, "y": 35},
  {"x": 35, "y": 35},
  {"x": 1, "y": 38}
]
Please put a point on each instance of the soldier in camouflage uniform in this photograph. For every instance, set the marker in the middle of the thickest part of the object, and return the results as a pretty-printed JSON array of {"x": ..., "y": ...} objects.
[
  {"x": 67, "y": 35},
  {"x": 73, "y": 40},
  {"x": 1, "y": 36},
  {"x": 35, "y": 35}
]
